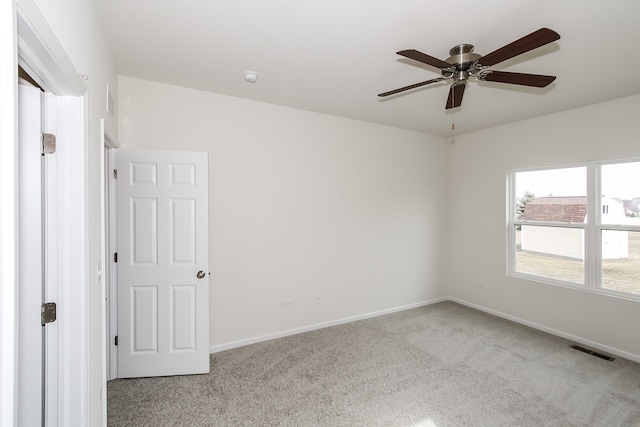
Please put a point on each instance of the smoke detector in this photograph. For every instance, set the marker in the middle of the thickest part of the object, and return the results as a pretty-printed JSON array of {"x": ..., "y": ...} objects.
[{"x": 251, "y": 76}]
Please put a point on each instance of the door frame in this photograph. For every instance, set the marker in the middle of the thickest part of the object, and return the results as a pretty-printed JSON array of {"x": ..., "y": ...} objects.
[
  {"x": 31, "y": 44},
  {"x": 110, "y": 272}
]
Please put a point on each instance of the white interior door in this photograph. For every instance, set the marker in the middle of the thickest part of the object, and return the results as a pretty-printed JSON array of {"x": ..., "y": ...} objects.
[
  {"x": 38, "y": 259},
  {"x": 30, "y": 276},
  {"x": 163, "y": 257}
]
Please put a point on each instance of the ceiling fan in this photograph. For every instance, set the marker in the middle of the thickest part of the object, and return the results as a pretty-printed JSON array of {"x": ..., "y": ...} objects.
[{"x": 464, "y": 63}]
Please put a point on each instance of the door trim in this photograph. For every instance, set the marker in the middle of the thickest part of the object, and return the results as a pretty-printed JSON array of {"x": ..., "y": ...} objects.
[
  {"x": 42, "y": 56},
  {"x": 37, "y": 50},
  {"x": 8, "y": 216}
]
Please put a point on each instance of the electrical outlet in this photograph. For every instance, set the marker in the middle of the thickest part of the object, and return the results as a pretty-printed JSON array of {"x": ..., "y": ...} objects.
[
  {"x": 286, "y": 304},
  {"x": 318, "y": 299}
]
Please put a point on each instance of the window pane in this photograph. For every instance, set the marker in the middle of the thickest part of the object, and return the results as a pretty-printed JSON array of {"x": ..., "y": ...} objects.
[
  {"x": 553, "y": 252},
  {"x": 555, "y": 195},
  {"x": 620, "y": 192},
  {"x": 621, "y": 261}
]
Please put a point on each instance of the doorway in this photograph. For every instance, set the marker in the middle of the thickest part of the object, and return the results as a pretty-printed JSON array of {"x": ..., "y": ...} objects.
[{"x": 61, "y": 377}]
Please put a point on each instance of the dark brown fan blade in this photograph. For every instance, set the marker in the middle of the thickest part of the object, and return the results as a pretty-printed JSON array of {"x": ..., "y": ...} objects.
[
  {"x": 535, "y": 80},
  {"x": 402, "y": 89},
  {"x": 424, "y": 58},
  {"x": 455, "y": 95},
  {"x": 532, "y": 41}
]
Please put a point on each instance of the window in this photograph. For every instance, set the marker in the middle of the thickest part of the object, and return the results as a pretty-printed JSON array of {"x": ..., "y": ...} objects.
[
  {"x": 577, "y": 226},
  {"x": 619, "y": 227}
]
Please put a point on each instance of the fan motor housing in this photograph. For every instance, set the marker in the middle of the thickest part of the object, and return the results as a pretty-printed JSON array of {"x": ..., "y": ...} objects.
[
  {"x": 462, "y": 56},
  {"x": 462, "y": 59}
]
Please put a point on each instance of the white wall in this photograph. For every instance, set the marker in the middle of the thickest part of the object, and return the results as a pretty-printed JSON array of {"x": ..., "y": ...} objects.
[
  {"x": 301, "y": 205},
  {"x": 78, "y": 30},
  {"x": 477, "y": 176}
]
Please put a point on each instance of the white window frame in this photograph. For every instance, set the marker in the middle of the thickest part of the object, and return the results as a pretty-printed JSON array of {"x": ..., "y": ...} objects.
[
  {"x": 599, "y": 227},
  {"x": 593, "y": 229}
]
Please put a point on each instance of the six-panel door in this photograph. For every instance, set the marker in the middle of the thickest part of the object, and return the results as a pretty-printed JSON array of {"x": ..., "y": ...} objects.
[{"x": 162, "y": 220}]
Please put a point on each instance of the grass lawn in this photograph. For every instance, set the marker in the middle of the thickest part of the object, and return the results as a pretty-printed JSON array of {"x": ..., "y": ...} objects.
[{"x": 617, "y": 274}]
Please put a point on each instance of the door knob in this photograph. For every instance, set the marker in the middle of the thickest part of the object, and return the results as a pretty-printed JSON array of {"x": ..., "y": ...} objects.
[{"x": 200, "y": 274}]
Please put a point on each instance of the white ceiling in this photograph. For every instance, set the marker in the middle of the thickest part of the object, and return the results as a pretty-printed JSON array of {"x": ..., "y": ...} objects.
[{"x": 335, "y": 56}]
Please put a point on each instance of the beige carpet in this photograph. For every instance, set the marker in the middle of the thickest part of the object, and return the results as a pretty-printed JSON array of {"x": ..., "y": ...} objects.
[{"x": 440, "y": 365}]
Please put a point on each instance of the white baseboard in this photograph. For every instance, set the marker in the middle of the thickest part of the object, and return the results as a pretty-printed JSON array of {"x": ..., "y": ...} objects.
[
  {"x": 595, "y": 345},
  {"x": 579, "y": 340},
  {"x": 240, "y": 343}
]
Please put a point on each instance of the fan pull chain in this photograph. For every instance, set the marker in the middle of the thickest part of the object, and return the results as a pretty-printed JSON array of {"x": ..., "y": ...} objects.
[
  {"x": 453, "y": 121},
  {"x": 453, "y": 117}
]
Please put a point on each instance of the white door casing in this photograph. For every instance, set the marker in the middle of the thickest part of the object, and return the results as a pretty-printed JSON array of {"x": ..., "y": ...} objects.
[
  {"x": 64, "y": 243},
  {"x": 162, "y": 222},
  {"x": 110, "y": 268}
]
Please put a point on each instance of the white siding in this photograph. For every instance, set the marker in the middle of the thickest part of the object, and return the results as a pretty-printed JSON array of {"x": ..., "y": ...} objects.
[{"x": 564, "y": 242}]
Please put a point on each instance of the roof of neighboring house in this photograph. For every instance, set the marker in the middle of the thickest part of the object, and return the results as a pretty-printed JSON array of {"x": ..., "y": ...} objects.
[{"x": 556, "y": 209}]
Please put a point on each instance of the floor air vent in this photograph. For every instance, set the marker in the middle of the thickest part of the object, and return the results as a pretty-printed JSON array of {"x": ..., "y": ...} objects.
[{"x": 593, "y": 353}]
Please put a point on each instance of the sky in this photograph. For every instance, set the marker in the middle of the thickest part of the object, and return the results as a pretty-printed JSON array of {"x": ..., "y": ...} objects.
[{"x": 618, "y": 180}]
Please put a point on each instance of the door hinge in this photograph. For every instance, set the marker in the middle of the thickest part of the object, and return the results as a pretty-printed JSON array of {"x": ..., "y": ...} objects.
[
  {"x": 115, "y": 174},
  {"x": 47, "y": 313},
  {"x": 116, "y": 340},
  {"x": 115, "y": 257},
  {"x": 47, "y": 143}
]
